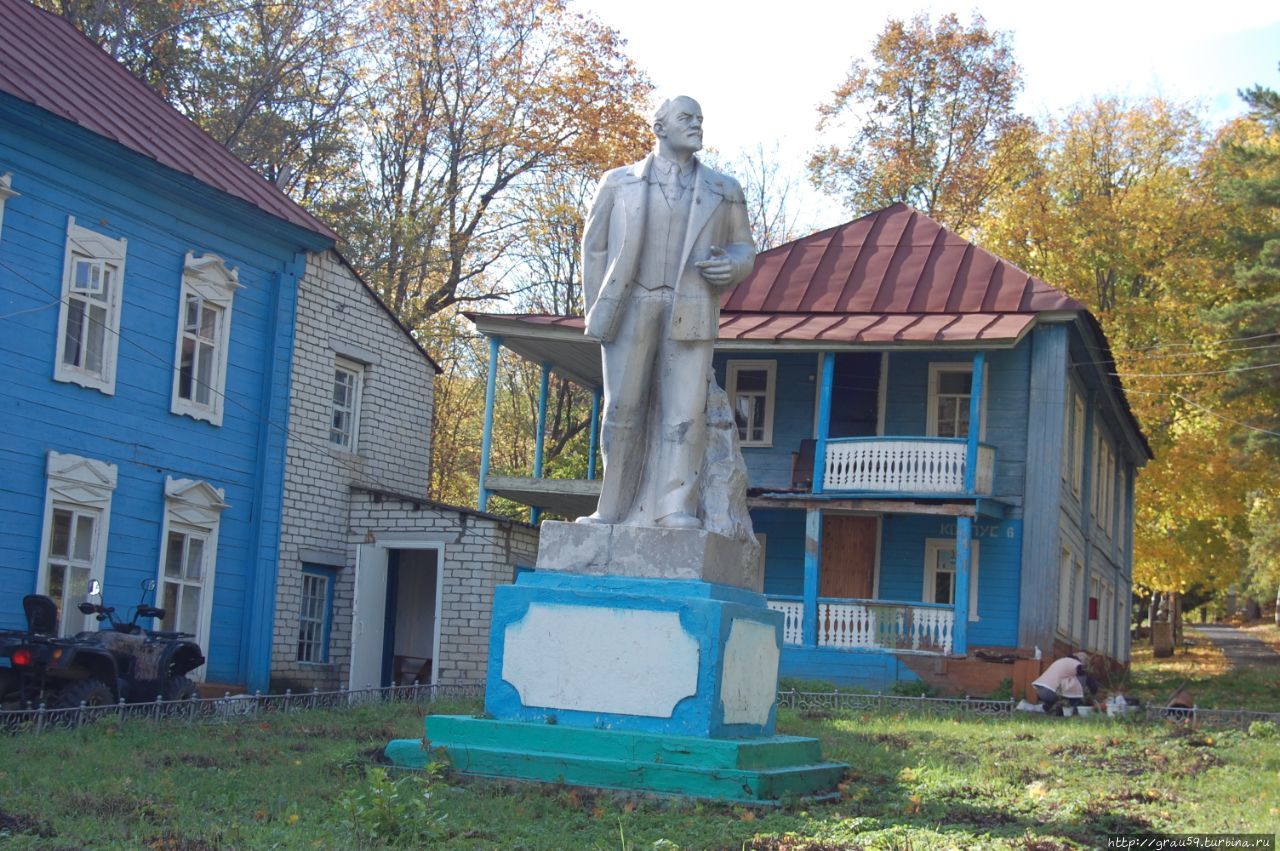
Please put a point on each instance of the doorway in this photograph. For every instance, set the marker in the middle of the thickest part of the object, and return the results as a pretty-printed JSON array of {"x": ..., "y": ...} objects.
[
  {"x": 396, "y": 614},
  {"x": 848, "y": 567}
]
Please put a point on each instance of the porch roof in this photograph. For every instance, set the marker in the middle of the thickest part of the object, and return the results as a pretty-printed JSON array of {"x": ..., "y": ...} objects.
[{"x": 561, "y": 341}]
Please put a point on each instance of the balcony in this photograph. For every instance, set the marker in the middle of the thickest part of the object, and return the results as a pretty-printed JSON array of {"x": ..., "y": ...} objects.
[
  {"x": 906, "y": 465},
  {"x": 922, "y": 628}
]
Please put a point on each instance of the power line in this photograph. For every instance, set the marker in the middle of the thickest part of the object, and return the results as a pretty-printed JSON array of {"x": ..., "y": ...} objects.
[
  {"x": 1195, "y": 374},
  {"x": 119, "y": 335}
]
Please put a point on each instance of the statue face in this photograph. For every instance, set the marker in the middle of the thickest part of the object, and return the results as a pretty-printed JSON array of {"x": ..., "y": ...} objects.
[{"x": 681, "y": 130}]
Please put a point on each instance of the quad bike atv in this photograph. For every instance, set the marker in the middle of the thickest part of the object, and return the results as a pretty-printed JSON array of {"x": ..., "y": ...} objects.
[{"x": 124, "y": 662}]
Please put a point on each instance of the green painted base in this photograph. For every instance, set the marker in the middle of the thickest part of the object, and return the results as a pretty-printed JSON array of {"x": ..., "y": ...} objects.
[{"x": 745, "y": 770}]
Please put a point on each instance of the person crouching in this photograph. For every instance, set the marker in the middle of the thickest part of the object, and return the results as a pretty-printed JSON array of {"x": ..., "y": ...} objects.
[{"x": 1066, "y": 680}]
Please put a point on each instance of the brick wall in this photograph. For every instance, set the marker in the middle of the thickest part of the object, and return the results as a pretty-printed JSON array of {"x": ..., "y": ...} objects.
[
  {"x": 480, "y": 552},
  {"x": 338, "y": 317}
]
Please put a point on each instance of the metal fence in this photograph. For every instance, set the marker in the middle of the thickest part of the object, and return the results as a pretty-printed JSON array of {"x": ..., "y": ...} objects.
[
  {"x": 853, "y": 702},
  {"x": 227, "y": 709},
  {"x": 235, "y": 708}
]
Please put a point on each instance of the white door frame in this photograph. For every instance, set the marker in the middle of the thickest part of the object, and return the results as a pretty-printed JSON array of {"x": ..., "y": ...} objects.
[{"x": 387, "y": 546}]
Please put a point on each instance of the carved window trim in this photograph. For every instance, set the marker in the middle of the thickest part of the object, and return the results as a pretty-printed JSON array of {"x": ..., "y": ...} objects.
[
  {"x": 208, "y": 289},
  {"x": 102, "y": 261}
]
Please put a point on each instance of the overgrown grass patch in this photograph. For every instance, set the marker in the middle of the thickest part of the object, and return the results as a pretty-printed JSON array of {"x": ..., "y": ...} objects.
[{"x": 306, "y": 780}]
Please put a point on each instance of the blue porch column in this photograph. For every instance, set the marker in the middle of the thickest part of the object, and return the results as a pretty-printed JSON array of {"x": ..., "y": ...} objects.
[
  {"x": 824, "y": 420},
  {"x": 960, "y": 631},
  {"x": 975, "y": 421},
  {"x": 486, "y": 441},
  {"x": 812, "y": 563},
  {"x": 595, "y": 434},
  {"x": 540, "y": 440}
]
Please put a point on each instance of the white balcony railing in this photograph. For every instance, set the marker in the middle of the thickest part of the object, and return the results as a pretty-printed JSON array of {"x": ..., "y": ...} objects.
[
  {"x": 872, "y": 624},
  {"x": 904, "y": 465},
  {"x": 792, "y": 619}
]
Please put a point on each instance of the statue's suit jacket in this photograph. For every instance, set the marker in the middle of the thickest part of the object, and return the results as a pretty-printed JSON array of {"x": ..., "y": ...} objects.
[{"x": 612, "y": 242}]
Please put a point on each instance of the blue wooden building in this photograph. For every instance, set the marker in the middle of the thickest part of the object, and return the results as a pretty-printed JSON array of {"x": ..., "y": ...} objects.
[
  {"x": 147, "y": 293},
  {"x": 941, "y": 460}
]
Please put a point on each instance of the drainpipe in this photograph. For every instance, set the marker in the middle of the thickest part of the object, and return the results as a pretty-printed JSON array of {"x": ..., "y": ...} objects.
[
  {"x": 975, "y": 422},
  {"x": 486, "y": 442},
  {"x": 543, "y": 391}
]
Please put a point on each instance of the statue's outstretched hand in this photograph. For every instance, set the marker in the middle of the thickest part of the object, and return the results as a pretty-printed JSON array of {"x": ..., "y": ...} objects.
[{"x": 717, "y": 269}]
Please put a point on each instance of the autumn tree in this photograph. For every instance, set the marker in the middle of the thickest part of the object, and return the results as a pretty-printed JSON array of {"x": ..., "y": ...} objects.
[
  {"x": 274, "y": 82},
  {"x": 469, "y": 101},
  {"x": 929, "y": 121},
  {"x": 1248, "y": 177}
]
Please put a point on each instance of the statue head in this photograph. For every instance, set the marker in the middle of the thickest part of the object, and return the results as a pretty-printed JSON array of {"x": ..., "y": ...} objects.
[{"x": 677, "y": 124}]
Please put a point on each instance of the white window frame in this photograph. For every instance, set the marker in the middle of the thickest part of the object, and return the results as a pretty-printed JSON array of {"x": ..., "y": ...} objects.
[
  {"x": 93, "y": 247},
  {"x": 933, "y": 546},
  {"x": 6, "y": 192},
  {"x": 1079, "y": 604},
  {"x": 935, "y": 372},
  {"x": 81, "y": 485},
  {"x": 1077, "y": 444},
  {"x": 1066, "y": 591},
  {"x": 770, "y": 368},
  {"x": 356, "y": 370},
  {"x": 324, "y": 624},
  {"x": 208, "y": 279},
  {"x": 193, "y": 508}
]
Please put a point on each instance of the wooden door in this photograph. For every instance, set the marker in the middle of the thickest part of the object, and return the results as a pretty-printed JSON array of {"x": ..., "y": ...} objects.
[{"x": 848, "y": 557}]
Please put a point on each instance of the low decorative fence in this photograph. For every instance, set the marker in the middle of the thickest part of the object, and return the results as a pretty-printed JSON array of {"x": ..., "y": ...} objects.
[
  {"x": 246, "y": 707},
  {"x": 852, "y": 702},
  {"x": 228, "y": 709}
]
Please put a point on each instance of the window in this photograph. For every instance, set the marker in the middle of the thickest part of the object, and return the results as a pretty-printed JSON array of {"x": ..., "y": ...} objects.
[
  {"x": 1066, "y": 590},
  {"x": 89, "y": 316},
  {"x": 751, "y": 391},
  {"x": 317, "y": 614},
  {"x": 189, "y": 555},
  {"x": 6, "y": 192},
  {"x": 345, "y": 422},
  {"x": 76, "y": 514},
  {"x": 1103, "y": 492},
  {"x": 1073, "y": 442},
  {"x": 203, "y": 339},
  {"x": 940, "y": 573},
  {"x": 950, "y": 389}
]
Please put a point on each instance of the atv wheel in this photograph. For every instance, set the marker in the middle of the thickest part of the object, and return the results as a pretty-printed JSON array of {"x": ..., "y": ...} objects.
[
  {"x": 179, "y": 688},
  {"x": 90, "y": 692}
]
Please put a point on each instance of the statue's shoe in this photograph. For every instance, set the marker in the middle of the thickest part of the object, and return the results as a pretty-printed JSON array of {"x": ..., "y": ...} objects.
[
  {"x": 680, "y": 520},
  {"x": 592, "y": 520}
]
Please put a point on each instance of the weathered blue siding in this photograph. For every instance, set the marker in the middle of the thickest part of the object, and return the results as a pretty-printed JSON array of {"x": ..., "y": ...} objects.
[
  {"x": 60, "y": 171},
  {"x": 784, "y": 549},
  {"x": 869, "y": 669},
  {"x": 1006, "y": 401},
  {"x": 792, "y": 414},
  {"x": 902, "y": 550}
]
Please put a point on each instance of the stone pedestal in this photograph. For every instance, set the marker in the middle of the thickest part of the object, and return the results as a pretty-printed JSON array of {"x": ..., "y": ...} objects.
[
  {"x": 633, "y": 658},
  {"x": 650, "y": 552},
  {"x": 608, "y": 653}
]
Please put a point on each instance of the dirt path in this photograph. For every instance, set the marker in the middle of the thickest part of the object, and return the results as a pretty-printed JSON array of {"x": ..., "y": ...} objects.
[{"x": 1241, "y": 649}]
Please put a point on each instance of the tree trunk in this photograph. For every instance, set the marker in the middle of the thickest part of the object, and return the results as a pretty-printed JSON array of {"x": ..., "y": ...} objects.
[
  {"x": 1175, "y": 616},
  {"x": 1252, "y": 609}
]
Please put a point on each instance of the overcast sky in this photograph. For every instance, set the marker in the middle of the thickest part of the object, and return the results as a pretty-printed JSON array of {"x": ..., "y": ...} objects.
[{"x": 760, "y": 70}]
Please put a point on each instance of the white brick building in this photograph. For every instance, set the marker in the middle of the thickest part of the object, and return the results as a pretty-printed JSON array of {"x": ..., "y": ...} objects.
[{"x": 363, "y": 553}]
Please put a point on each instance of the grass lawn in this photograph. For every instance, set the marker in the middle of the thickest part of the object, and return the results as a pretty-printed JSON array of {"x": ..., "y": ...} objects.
[
  {"x": 1207, "y": 675},
  {"x": 304, "y": 780}
]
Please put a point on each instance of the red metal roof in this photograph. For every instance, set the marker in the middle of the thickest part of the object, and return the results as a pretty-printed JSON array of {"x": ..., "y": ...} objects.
[
  {"x": 895, "y": 261},
  {"x": 892, "y": 276},
  {"x": 46, "y": 62}
]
